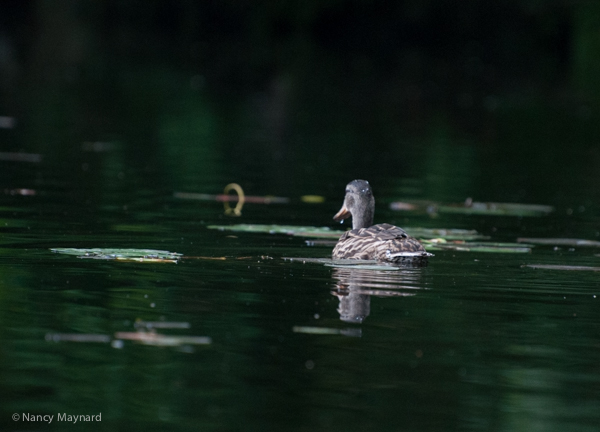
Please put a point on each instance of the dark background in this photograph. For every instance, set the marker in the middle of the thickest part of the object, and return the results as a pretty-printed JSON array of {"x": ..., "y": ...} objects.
[{"x": 285, "y": 93}]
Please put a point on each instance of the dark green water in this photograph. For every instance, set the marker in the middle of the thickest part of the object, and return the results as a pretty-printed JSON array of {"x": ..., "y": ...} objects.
[
  {"x": 474, "y": 341},
  {"x": 471, "y": 342}
]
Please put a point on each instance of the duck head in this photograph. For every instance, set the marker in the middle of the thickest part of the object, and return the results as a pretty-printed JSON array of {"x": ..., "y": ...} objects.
[{"x": 358, "y": 203}]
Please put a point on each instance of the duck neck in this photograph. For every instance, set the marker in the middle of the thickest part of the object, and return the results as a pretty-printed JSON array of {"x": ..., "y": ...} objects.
[{"x": 364, "y": 218}]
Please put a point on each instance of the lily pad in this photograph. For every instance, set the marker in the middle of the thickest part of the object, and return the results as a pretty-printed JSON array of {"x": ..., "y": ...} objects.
[
  {"x": 21, "y": 157},
  {"x": 77, "y": 337},
  {"x": 562, "y": 267},
  {"x": 231, "y": 198},
  {"x": 474, "y": 207},
  {"x": 156, "y": 339},
  {"x": 312, "y": 199},
  {"x": 445, "y": 233},
  {"x": 559, "y": 241},
  {"x": 325, "y": 243},
  {"x": 139, "y": 324},
  {"x": 326, "y": 232},
  {"x": 476, "y": 247},
  {"x": 135, "y": 255},
  {"x": 315, "y": 330},
  {"x": 327, "y": 331},
  {"x": 497, "y": 209},
  {"x": 462, "y": 246},
  {"x": 302, "y": 231}
]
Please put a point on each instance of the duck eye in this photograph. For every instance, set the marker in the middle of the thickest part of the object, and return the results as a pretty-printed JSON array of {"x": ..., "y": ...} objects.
[{"x": 347, "y": 190}]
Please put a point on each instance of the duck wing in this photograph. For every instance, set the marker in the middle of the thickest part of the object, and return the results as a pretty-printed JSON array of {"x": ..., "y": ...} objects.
[{"x": 381, "y": 242}]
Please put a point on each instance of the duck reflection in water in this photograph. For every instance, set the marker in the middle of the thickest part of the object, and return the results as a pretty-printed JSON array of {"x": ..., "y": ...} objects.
[{"x": 354, "y": 288}]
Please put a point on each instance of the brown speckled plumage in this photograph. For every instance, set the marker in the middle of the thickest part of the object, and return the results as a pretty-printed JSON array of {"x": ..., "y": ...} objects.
[{"x": 381, "y": 242}]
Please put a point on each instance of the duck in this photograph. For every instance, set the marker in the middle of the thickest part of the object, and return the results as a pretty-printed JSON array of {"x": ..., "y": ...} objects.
[{"x": 382, "y": 242}]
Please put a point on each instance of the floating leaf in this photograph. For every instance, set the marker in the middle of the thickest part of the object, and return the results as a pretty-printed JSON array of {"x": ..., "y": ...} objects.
[
  {"x": 220, "y": 258},
  {"x": 302, "y": 231},
  {"x": 161, "y": 324},
  {"x": 315, "y": 330},
  {"x": 327, "y": 331},
  {"x": 559, "y": 241},
  {"x": 497, "y": 209},
  {"x": 22, "y": 192},
  {"x": 135, "y": 255},
  {"x": 562, "y": 267},
  {"x": 151, "y": 338},
  {"x": 326, "y": 232},
  {"x": 77, "y": 337},
  {"x": 407, "y": 206},
  {"x": 474, "y": 207},
  {"x": 476, "y": 247},
  {"x": 462, "y": 246},
  {"x": 442, "y": 242},
  {"x": 312, "y": 199},
  {"x": 140, "y": 260},
  {"x": 448, "y": 234},
  {"x": 327, "y": 243},
  {"x": 231, "y": 198},
  {"x": 21, "y": 157}
]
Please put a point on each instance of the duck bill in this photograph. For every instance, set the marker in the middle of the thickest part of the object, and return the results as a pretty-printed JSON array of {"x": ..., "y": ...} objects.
[{"x": 344, "y": 213}]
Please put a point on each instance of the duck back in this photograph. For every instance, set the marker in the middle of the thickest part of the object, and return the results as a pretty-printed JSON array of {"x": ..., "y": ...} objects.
[{"x": 381, "y": 242}]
